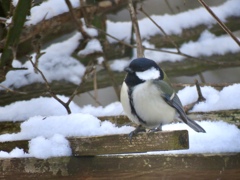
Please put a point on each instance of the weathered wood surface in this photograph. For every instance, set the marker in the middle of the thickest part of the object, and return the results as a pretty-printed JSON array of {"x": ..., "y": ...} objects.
[
  {"x": 117, "y": 144},
  {"x": 172, "y": 166},
  {"x": 8, "y": 146},
  {"x": 230, "y": 116},
  {"x": 10, "y": 127}
]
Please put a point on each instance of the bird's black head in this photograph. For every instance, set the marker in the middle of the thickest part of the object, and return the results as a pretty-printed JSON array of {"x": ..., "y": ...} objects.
[{"x": 141, "y": 70}]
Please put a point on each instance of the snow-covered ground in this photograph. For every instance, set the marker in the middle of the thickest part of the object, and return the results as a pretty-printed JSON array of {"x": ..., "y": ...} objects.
[{"x": 46, "y": 123}]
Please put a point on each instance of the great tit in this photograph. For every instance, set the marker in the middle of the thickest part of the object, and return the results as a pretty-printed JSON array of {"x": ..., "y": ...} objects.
[{"x": 148, "y": 98}]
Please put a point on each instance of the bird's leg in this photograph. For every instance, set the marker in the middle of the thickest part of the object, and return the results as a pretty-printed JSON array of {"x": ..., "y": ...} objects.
[
  {"x": 159, "y": 128},
  {"x": 135, "y": 132}
]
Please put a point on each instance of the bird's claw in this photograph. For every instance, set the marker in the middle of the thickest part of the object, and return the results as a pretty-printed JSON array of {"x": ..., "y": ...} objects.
[{"x": 135, "y": 132}]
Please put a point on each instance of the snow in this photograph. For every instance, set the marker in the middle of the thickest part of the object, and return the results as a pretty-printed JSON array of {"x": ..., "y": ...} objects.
[
  {"x": 227, "y": 98},
  {"x": 46, "y": 123},
  {"x": 92, "y": 46},
  {"x": 174, "y": 24},
  {"x": 214, "y": 141},
  {"x": 14, "y": 2},
  {"x": 76, "y": 124},
  {"x": 41, "y": 106},
  {"x": 48, "y": 134},
  {"x": 56, "y": 64},
  {"x": 57, "y": 145},
  {"x": 49, "y": 9},
  {"x": 119, "y": 65},
  {"x": 207, "y": 45}
]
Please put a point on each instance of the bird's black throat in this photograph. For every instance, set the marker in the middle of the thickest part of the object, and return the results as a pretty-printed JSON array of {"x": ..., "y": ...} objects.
[{"x": 132, "y": 80}]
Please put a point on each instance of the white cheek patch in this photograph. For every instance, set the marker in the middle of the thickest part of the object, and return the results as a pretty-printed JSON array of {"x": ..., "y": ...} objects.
[{"x": 149, "y": 74}]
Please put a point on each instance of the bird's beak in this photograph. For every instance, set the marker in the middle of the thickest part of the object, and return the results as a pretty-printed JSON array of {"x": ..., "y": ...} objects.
[{"x": 128, "y": 69}]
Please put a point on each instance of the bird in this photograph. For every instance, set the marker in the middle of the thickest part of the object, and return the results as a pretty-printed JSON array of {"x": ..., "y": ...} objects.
[{"x": 149, "y": 100}]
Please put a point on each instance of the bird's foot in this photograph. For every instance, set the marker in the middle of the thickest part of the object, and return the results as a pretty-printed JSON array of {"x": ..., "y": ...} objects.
[
  {"x": 135, "y": 132},
  {"x": 159, "y": 128}
]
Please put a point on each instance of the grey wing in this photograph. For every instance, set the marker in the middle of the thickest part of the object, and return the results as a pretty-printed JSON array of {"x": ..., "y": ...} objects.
[{"x": 173, "y": 100}]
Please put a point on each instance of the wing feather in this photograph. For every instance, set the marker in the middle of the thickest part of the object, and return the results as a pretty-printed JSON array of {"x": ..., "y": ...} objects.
[{"x": 173, "y": 100}]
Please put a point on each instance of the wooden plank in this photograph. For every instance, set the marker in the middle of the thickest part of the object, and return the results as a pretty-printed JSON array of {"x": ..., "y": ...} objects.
[
  {"x": 171, "y": 166},
  {"x": 231, "y": 116},
  {"x": 10, "y": 127},
  {"x": 119, "y": 143},
  {"x": 8, "y": 146}
]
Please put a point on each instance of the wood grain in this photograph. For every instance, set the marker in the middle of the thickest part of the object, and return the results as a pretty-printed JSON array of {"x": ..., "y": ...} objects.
[
  {"x": 117, "y": 144},
  {"x": 170, "y": 166}
]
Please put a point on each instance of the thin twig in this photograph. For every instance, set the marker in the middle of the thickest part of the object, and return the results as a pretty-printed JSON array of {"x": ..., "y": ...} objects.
[
  {"x": 3, "y": 20},
  {"x": 159, "y": 50},
  {"x": 221, "y": 85},
  {"x": 111, "y": 76},
  {"x": 200, "y": 98},
  {"x": 95, "y": 85},
  {"x": 94, "y": 98},
  {"x": 36, "y": 43},
  {"x": 12, "y": 91},
  {"x": 161, "y": 29},
  {"x": 140, "y": 50},
  {"x": 49, "y": 88},
  {"x": 77, "y": 21},
  {"x": 223, "y": 26},
  {"x": 86, "y": 75}
]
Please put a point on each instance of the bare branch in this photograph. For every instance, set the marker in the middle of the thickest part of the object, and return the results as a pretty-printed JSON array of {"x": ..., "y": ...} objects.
[
  {"x": 200, "y": 98},
  {"x": 223, "y": 26},
  {"x": 161, "y": 50},
  {"x": 111, "y": 76},
  {"x": 12, "y": 91},
  {"x": 94, "y": 98},
  {"x": 221, "y": 85},
  {"x": 86, "y": 75},
  {"x": 3, "y": 20},
  {"x": 77, "y": 21},
  {"x": 37, "y": 49},
  {"x": 95, "y": 86},
  {"x": 161, "y": 29},
  {"x": 49, "y": 88},
  {"x": 140, "y": 50}
]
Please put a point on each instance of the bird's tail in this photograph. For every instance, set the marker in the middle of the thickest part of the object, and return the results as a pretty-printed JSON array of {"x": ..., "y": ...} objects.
[{"x": 195, "y": 126}]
